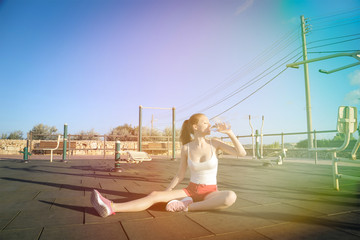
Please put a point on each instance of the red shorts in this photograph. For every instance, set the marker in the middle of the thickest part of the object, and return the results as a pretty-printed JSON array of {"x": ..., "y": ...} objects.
[{"x": 198, "y": 192}]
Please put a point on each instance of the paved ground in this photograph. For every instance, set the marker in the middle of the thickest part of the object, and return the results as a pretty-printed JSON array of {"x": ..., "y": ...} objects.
[{"x": 43, "y": 200}]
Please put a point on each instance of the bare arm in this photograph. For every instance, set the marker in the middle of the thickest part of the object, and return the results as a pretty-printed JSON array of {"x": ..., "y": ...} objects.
[
  {"x": 182, "y": 169},
  {"x": 238, "y": 148}
]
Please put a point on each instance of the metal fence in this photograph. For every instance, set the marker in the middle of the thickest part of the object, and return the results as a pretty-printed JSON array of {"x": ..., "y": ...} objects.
[{"x": 130, "y": 143}]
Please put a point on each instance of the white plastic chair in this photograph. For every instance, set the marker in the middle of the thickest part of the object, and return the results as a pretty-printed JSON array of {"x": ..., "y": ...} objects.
[
  {"x": 52, "y": 149},
  {"x": 136, "y": 157},
  {"x": 346, "y": 124}
]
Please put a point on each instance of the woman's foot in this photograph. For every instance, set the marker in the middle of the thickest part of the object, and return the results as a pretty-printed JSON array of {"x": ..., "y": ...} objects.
[
  {"x": 102, "y": 205},
  {"x": 179, "y": 205}
]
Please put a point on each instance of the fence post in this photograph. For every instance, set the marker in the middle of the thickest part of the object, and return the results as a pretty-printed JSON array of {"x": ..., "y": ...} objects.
[
  {"x": 104, "y": 146},
  {"x": 65, "y": 142},
  {"x": 315, "y": 143},
  {"x": 117, "y": 157},
  {"x": 69, "y": 150},
  {"x": 173, "y": 133},
  {"x": 31, "y": 141},
  {"x": 140, "y": 129}
]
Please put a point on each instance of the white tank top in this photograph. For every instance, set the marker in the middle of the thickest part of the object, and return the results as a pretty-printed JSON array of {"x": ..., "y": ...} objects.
[{"x": 204, "y": 172}]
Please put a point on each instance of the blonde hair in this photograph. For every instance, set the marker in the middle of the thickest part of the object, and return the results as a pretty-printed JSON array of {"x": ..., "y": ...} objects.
[{"x": 187, "y": 128}]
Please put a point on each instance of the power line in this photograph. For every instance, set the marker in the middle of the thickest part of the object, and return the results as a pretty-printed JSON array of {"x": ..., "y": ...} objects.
[
  {"x": 329, "y": 44},
  {"x": 251, "y": 82},
  {"x": 338, "y": 13},
  {"x": 327, "y": 39},
  {"x": 253, "y": 64},
  {"x": 333, "y": 26},
  {"x": 336, "y": 51},
  {"x": 251, "y": 93}
]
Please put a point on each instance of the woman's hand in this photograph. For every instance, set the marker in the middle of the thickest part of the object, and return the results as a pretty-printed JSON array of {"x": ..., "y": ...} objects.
[{"x": 223, "y": 128}]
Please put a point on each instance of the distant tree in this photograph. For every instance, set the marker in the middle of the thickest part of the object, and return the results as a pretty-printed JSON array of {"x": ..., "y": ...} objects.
[
  {"x": 13, "y": 135},
  {"x": 168, "y": 132},
  {"x": 124, "y": 132},
  {"x": 335, "y": 142},
  {"x": 302, "y": 144},
  {"x": 341, "y": 137},
  {"x": 43, "y": 132},
  {"x": 16, "y": 135},
  {"x": 273, "y": 145},
  {"x": 89, "y": 135}
]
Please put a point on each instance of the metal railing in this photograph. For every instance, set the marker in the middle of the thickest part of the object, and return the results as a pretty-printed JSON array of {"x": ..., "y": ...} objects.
[
  {"x": 282, "y": 141},
  {"x": 129, "y": 142}
]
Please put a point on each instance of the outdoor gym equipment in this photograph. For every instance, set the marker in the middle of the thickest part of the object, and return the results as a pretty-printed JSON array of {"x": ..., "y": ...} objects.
[
  {"x": 130, "y": 157},
  {"x": 258, "y": 149},
  {"x": 25, "y": 154},
  {"x": 173, "y": 127},
  {"x": 346, "y": 124},
  {"x": 52, "y": 149}
]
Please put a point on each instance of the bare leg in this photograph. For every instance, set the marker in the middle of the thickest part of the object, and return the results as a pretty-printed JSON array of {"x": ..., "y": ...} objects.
[
  {"x": 146, "y": 202},
  {"x": 215, "y": 200}
]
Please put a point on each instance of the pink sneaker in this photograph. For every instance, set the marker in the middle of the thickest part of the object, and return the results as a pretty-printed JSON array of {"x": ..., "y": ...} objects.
[
  {"x": 179, "y": 205},
  {"x": 101, "y": 204}
]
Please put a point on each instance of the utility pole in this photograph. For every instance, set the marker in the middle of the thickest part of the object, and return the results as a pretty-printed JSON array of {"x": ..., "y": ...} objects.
[
  {"x": 304, "y": 31},
  {"x": 152, "y": 124}
]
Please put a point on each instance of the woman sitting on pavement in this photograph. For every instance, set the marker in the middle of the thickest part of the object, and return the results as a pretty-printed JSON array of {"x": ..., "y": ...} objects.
[{"x": 197, "y": 153}]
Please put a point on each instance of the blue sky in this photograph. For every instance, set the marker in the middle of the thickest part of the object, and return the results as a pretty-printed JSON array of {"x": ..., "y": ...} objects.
[{"x": 91, "y": 63}]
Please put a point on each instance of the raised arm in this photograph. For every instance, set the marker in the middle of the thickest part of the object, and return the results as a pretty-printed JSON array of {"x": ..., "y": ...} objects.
[
  {"x": 182, "y": 169},
  {"x": 238, "y": 148}
]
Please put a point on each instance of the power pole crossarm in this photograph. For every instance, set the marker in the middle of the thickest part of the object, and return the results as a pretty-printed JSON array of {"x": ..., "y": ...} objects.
[{"x": 355, "y": 55}]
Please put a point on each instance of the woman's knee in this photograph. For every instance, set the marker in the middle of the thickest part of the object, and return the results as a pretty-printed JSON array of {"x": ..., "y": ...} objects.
[
  {"x": 155, "y": 194},
  {"x": 230, "y": 198},
  {"x": 159, "y": 196}
]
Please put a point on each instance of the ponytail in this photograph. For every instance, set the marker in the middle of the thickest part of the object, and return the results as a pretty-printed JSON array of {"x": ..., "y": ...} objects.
[
  {"x": 187, "y": 129},
  {"x": 185, "y": 134}
]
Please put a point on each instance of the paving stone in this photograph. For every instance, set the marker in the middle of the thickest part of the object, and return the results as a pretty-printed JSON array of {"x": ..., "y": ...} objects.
[
  {"x": 292, "y": 201},
  {"x": 281, "y": 212},
  {"x": 28, "y": 219},
  {"x": 23, "y": 234},
  {"x": 177, "y": 227},
  {"x": 323, "y": 206},
  {"x": 7, "y": 216},
  {"x": 108, "y": 231},
  {"x": 243, "y": 235},
  {"x": 220, "y": 222},
  {"x": 294, "y": 231},
  {"x": 349, "y": 222}
]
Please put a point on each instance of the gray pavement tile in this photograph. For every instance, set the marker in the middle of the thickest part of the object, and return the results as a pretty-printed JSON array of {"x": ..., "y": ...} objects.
[
  {"x": 309, "y": 230},
  {"x": 65, "y": 217},
  {"x": 177, "y": 227},
  {"x": 23, "y": 234},
  {"x": 32, "y": 205},
  {"x": 281, "y": 212},
  {"x": 348, "y": 222},
  {"x": 259, "y": 198},
  {"x": 28, "y": 219},
  {"x": 18, "y": 195},
  {"x": 7, "y": 216},
  {"x": 242, "y": 203},
  {"x": 32, "y": 219},
  {"x": 108, "y": 231},
  {"x": 59, "y": 198},
  {"x": 221, "y": 222},
  {"x": 323, "y": 206},
  {"x": 89, "y": 182},
  {"x": 6, "y": 187},
  {"x": 242, "y": 235},
  {"x": 61, "y": 202},
  {"x": 47, "y": 194}
]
